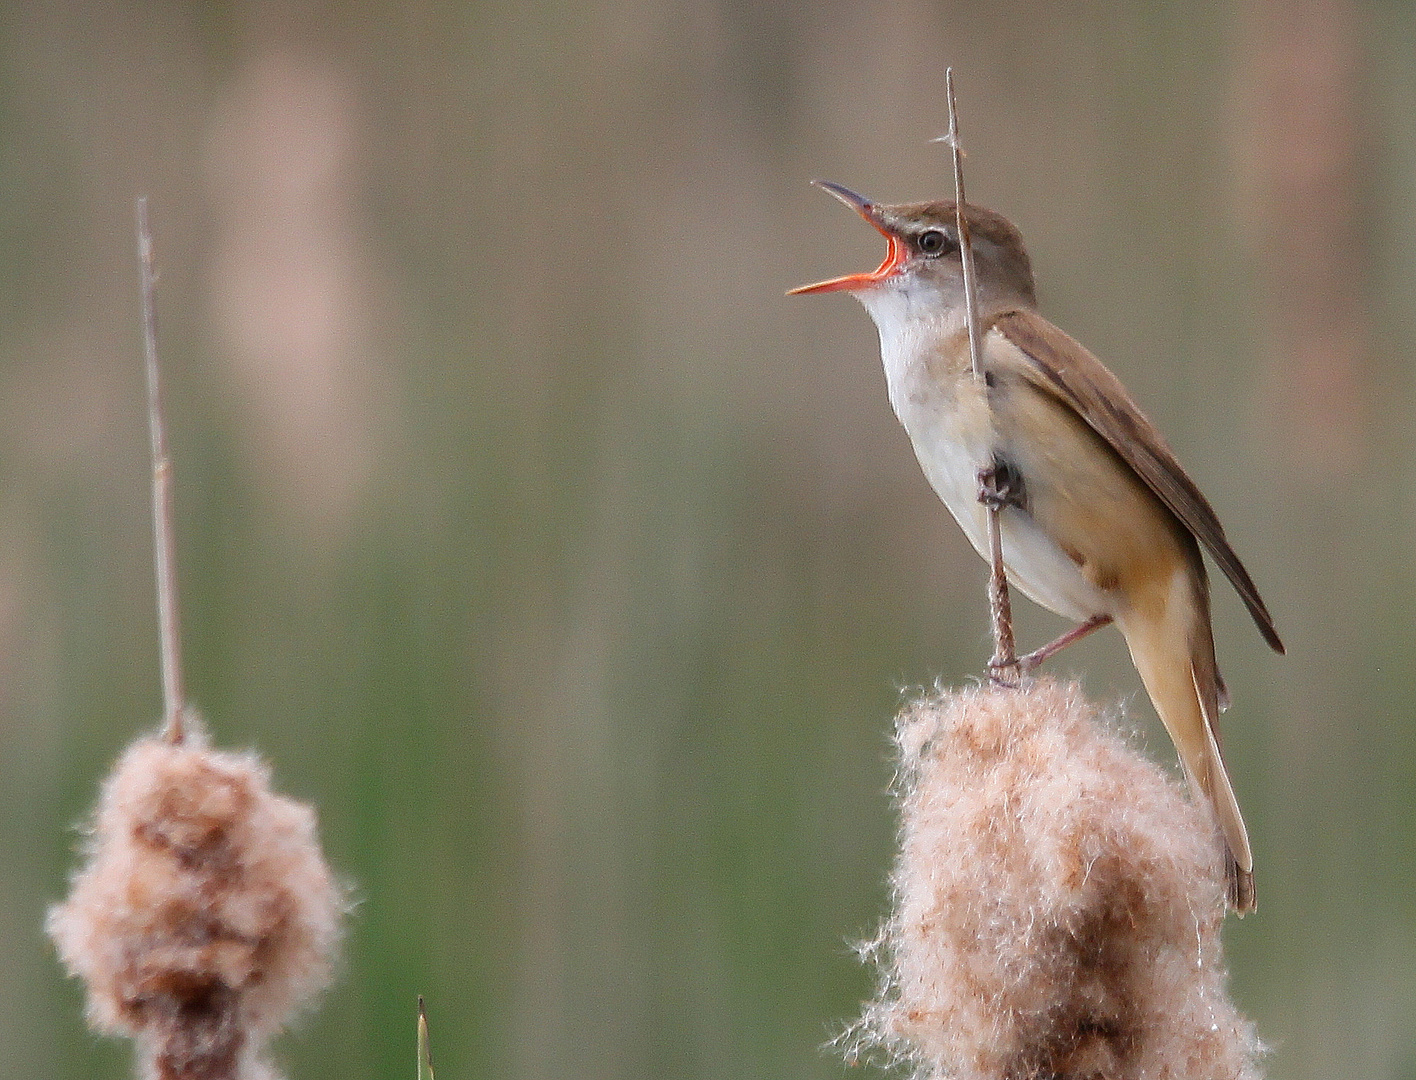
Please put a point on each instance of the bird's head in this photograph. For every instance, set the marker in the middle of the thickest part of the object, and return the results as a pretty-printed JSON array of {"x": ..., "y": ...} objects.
[{"x": 922, "y": 268}]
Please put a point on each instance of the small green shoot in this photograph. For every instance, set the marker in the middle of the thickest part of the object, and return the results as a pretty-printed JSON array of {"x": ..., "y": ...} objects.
[{"x": 425, "y": 1051}]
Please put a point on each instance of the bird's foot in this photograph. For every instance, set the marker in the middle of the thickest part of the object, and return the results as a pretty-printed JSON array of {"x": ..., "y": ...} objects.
[
  {"x": 1001, "y": 484},
  {"x": 1030, "y": 662},
  {"x": 1007, "y": 671}
]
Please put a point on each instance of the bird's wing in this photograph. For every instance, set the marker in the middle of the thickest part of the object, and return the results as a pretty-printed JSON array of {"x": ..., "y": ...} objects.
[{"x": 1063, "y": 368}]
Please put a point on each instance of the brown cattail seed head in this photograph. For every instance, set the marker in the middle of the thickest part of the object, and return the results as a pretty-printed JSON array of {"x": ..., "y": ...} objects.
[
  {"x": 204, "y": 917},
  {"x": 1057, "y": 904}
]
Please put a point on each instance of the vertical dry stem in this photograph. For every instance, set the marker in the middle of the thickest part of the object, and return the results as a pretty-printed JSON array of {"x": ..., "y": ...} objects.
[
  {"x": 168, "y": 628},
  {"x": 1003, "y": 667}
]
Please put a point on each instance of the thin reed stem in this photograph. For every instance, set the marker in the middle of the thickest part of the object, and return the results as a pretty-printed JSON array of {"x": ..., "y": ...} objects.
[
  {"x": 1003, "y": 667},
  {"x": 169, "y": 630}
]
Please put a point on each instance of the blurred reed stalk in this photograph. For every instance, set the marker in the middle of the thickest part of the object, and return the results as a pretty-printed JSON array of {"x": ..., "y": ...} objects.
[
  {"x": 1057, "y": 903},
  {"x": 169, "y": 633},
  {"x": 204, "y": 917}
]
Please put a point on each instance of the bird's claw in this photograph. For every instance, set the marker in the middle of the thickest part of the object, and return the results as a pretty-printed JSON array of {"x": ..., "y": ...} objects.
[
  {"x": 1008, "y": 673},
  {"x": 1028, "y": 664},
  {"x": 1001, "y": 485}
]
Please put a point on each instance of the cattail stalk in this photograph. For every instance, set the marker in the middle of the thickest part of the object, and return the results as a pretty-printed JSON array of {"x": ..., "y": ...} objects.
[
  {"x": 1057, "y": 904},
  {"x": 204, "y": 917}
]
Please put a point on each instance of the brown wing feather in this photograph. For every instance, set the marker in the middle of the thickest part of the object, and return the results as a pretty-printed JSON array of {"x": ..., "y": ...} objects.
[{"x": 1069, "y": 372}]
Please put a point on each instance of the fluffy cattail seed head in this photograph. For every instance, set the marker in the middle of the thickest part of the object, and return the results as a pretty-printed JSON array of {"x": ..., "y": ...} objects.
[
  {"x": 204, "y": 917},
  {"x": 1057, "y": 904}
]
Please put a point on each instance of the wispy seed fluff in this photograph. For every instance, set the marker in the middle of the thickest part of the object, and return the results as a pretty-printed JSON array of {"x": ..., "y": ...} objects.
[
  {"x": 1057, "y": 904},
  {"x": 204, "y": 917}
]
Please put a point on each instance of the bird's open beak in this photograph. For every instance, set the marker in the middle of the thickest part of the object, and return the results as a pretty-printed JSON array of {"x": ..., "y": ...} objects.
[{"x": 895, "y": 256}]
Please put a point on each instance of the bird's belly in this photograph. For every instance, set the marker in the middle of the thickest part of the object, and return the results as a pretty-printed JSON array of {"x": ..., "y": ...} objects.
[{"x": 1037, "y": 565}]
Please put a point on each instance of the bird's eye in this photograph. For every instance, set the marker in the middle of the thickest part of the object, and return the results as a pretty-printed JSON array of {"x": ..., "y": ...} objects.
[{"x": 932, "y": 242}]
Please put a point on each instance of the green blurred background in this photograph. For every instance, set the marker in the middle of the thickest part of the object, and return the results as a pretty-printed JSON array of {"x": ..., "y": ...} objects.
[{"x": 574, "y": 572}]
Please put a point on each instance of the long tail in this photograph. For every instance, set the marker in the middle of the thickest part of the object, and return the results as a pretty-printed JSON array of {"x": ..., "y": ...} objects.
[{"x": 1172, "y": 647}]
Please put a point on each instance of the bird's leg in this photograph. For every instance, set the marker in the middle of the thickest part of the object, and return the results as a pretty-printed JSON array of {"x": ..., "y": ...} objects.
[{"x": 1033, "y": 660}]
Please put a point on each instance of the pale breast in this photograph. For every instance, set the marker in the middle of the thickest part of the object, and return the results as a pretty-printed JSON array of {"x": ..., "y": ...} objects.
[{"x": 946, "y": 414}]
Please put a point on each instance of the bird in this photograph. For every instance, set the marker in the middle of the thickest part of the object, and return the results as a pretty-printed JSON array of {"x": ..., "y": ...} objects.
[{"x": 1099, "y": 521}]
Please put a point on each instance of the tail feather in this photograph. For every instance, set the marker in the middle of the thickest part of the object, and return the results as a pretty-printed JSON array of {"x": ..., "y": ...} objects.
[
  {"x": 1239, "y": 858},
  {"x": 1173, "y": 650}
]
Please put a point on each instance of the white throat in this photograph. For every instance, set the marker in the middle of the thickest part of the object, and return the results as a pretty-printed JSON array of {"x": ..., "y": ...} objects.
[{"x": 913, "y": 320}]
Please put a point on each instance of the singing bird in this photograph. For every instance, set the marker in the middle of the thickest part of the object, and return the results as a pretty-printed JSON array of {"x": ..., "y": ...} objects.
[{"x": 1099, "y": 522}]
